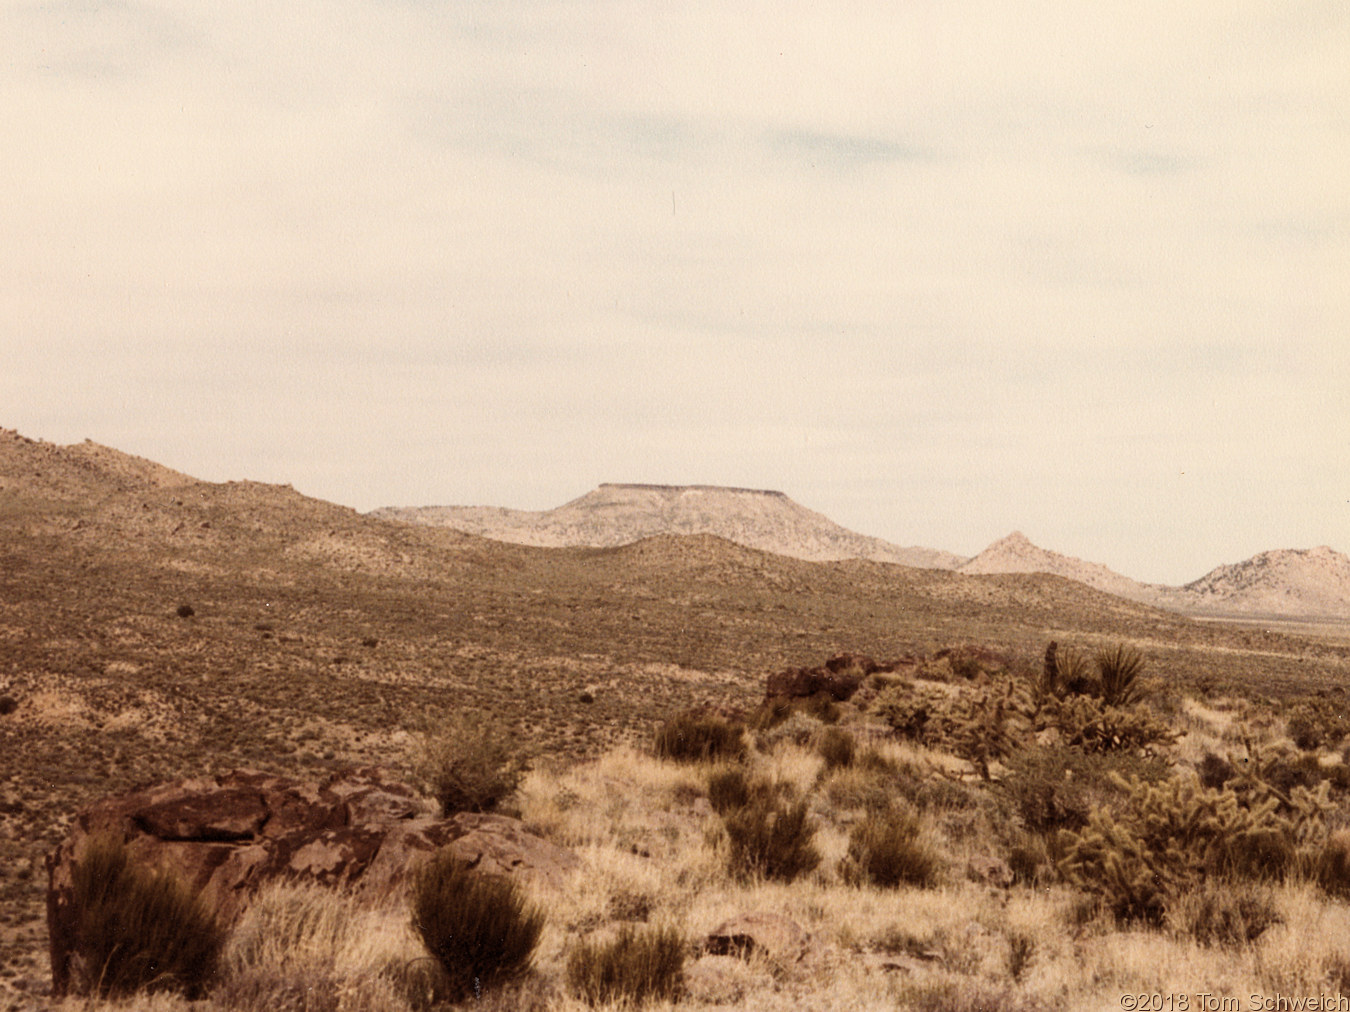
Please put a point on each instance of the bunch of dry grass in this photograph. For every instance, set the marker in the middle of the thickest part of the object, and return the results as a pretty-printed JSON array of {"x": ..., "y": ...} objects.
[
  {"x": 636, "y": 966},
  {"x": 140, "y": 930},
  {"x": 478, "y": 927}
]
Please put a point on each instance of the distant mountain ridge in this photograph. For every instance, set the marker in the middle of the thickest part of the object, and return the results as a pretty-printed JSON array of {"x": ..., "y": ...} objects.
[
  {"x": 1292, "y": 583},
  {"x": 616, "y": 514}
]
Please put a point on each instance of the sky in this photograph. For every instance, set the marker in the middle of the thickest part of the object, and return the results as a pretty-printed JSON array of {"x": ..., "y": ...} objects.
[{"x": 938, "y": 270}]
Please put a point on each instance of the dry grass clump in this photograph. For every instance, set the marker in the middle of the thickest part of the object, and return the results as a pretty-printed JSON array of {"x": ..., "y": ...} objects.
[
  {"x": 891, "y": 848},
  {"x": 837, "y": 747},
  {"x": 307, "y": 948},
  {"x": 636, "y": 966},
  {"x": 696, "y": 737},
  {"x": 770, "y": 838},
  {"x": 479, "y": 928},
  {"x": 138, "y": 929}
]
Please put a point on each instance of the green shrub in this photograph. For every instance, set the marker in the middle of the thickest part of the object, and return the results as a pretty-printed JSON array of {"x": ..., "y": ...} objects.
[
  {"x": 478, "y": 927},
  {"x": 468, "y": 763},
  {"x": 888, "y": 849},
  {"x": 636, "y": 966},
  {"x": 770, "y": 838},
  {"x": 139, "y": 930},
  {"x": 697, "y": 737},
  {"x": 836, "y": 747},
  {"x": 1118, "y": 675}
]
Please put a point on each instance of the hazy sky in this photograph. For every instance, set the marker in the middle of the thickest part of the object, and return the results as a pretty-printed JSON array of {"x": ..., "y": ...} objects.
[{"x": 939, "y": 270}]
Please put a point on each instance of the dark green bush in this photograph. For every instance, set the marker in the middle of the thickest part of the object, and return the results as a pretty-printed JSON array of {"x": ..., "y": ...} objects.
[
  {"x": 468, "y": 763},
  {"x": 478, "y": 927},
  {"x": 888, "y": 849},
  {"x": 836, "y": 747},
  {"x": 698, "y": 737},
  {"x": 140, "y": 930},
  {"x": 637, "y": 966},
  {"x": 770, "y": 838}
]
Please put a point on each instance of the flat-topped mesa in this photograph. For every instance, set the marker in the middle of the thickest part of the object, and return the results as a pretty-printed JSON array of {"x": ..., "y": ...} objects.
[{"x": 646, "y": 487}]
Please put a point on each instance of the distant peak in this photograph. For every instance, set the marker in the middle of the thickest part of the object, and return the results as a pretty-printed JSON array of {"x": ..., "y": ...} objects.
[
  {"x": 642, "y": 487},
  {"x": 1016, "y": 538}
]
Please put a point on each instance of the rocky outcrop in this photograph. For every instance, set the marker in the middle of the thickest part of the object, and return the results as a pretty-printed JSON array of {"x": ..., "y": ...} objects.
[{"x": 230, "y": 834}]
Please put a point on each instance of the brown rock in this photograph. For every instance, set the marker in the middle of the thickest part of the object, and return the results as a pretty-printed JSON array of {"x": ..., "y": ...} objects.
[
  {"x": 773, "y": 934},
  {"x": 230, "y": 834}
]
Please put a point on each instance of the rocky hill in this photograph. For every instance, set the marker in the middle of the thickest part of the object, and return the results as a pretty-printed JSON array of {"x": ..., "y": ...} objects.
[
  {"x": 1016, "y": 554},
  {"x": 1286, "y": 583},
  {"x": 619, "y": 514},
  {"x": 1305, "y": 582}
]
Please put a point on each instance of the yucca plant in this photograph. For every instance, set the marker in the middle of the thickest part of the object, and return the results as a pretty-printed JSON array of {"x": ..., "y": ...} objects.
[{"x": 1118, "y": 672}]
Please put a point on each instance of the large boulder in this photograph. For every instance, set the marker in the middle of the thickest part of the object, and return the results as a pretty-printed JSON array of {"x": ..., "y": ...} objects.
[{"x": 230, "y": 834}]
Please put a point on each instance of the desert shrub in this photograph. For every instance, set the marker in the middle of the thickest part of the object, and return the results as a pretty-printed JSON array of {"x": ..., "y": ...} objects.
[
  {"x": 728, "y": 789},
  {"x": 138, "y": 929},
  {"x": 1316, "y": 724},
  {"x": 837, "y": 747},
  {"x": 468, "y": 763},
  {"x": 478, "y": 927},
  {"x": 1074, "y": 675},
  {"x": 889, "y": 849},
  {"x": 698, "y": 737},
  {"x": 1118, "y": 675},
  {"x": 1056, "y": 786},
  {"x": 638, "y": 965},
  {"x": 772, "y": 838},
  {"x": 979, "y": 725},
  {"x": 1221, "y": 913},
  {"x": 967, "y": 995},
  {"x": 966, "y": 667},
  {"x": 856, "y": 787}
]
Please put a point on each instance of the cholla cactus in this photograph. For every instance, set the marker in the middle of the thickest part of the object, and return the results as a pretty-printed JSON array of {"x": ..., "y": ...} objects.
[{"x": 1177, "y": 833}]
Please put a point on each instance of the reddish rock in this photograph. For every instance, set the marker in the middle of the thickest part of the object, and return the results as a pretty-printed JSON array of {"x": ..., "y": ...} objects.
[
  {"x": 230, "y": 834},
  {"x": 839, "y": 676}
]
